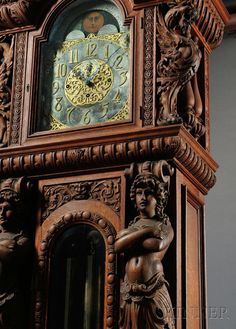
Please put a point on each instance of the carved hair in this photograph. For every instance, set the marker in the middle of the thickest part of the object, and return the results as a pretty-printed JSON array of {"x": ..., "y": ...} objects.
[{"x": 160, "y": 191}]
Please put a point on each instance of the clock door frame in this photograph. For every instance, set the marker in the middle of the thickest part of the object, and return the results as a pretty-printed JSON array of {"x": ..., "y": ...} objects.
[{"x": 36, "y": 39}]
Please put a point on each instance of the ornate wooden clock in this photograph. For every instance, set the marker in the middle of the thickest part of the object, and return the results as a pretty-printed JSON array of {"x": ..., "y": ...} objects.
[{"x": 104, "y": 162}]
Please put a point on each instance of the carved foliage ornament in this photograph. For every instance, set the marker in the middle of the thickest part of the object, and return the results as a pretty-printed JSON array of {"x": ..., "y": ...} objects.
[
  {"x": 106, "y": 191},
  {"x": 6, "y": 63},
  {"x": 145, "y": 301},
  {"x": 178, "y": 65}
]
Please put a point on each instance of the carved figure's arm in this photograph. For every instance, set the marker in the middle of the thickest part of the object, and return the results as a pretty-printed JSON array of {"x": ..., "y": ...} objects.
[
  {"x": 159, "y": 242},
  {"x": 128, "y": 240},
  {"x": 7, "y": 248}
]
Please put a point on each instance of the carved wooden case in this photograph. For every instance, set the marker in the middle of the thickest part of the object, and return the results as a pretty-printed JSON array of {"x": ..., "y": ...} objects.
[{"x": 82, "y": 174}]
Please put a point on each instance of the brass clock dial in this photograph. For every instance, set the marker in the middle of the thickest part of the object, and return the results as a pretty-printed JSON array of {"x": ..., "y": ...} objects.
[{"x": 88, "y": 77}]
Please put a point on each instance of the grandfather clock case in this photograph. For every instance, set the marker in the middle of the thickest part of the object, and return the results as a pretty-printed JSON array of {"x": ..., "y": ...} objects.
[{"x": 105, "y": 162}]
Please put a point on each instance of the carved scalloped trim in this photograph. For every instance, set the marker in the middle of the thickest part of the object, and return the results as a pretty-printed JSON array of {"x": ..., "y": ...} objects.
[
  {"x": 108, "y": 233},
  {"x": 175, "y": 147}
]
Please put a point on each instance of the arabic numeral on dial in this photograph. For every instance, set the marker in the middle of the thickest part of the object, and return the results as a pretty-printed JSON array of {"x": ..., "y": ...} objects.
[
  {"x": 61, "y": 70},
  {"x": 91, "y": 49},
  {"x": 106, "y": 52},
  {"x": 123, "y": 78},
  {"x": 87, "y": 118},
  {"x": 55, "y": 87},
  {"x": 73, "y": 56},
  {"x": 117, "y": 63},
  {"x": 105, "y": 108},
  {"x": 117, "y": 97},
  {"x": 70, "y": 110},
  {"x": 58, "y": 106}
]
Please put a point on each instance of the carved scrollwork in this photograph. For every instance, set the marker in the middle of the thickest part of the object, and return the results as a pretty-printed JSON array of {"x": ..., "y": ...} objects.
[
  {"x": 15, "y": 252},
  {"x": 106, "y": 191},
  {"x": 6, "y": 63},
  {"x": 178, "y": 65},
  {"x": 62, "y": 223},
  {"x": 145, "y": 301}
]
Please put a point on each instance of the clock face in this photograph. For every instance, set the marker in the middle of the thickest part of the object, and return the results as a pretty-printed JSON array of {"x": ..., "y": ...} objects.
[{"x": 85, "y": 78}]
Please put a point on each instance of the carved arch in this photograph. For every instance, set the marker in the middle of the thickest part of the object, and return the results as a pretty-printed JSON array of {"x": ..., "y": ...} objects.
[{"x": 73, "y": 213}]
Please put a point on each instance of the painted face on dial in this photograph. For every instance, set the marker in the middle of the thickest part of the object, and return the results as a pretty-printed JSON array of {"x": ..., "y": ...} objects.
[{"x": 93, "y": 22}]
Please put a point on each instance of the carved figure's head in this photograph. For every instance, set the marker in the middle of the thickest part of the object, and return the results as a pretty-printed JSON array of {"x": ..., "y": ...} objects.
[
  {"x": 149, "y": 195},
  {"x": 10, "y": 203}
]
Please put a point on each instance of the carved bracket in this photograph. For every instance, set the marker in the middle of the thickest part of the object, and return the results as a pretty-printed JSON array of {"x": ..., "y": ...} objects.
[
  {"x": 145, "y": 301},
  {"x": 177, "y": 68},
  {"x": 19, "y": 13}
]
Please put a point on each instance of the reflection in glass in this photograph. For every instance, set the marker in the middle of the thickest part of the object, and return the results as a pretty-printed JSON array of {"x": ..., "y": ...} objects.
[{"x": 77, "y": 268}]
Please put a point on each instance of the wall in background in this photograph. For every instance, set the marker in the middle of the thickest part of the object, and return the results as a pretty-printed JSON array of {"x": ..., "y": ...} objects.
[{"x": 221, "y": 201}]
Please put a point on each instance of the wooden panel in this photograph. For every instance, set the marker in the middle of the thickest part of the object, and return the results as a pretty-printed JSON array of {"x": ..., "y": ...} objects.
[{"x": 193, "y": 278}]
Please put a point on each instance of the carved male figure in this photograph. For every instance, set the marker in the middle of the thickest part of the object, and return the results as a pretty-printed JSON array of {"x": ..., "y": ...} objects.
[
  {"x": 145, "y": 301},
  {"x": 14, "y": 251}
]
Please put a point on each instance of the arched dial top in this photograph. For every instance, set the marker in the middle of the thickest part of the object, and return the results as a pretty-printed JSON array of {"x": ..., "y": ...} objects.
[{"x": 84, "y": 76}]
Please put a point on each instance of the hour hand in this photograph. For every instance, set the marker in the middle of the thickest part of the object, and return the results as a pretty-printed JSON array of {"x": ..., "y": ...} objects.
[{"x": 87, "y": 74}]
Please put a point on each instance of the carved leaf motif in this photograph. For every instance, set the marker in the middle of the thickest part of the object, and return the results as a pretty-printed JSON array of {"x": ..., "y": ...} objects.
[
  {"x": 56, "y": 196},
  {"x": 106, "y": 191}
]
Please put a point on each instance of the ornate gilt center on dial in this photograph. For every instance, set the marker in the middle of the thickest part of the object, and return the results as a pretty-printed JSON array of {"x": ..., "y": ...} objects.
[{"x": 89, "y": 82}]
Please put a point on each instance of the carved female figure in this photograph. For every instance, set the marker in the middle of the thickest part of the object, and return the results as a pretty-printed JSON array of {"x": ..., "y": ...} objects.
[
  {"x": 14, "y": 252},
  {"x": 145, "y": 299}
]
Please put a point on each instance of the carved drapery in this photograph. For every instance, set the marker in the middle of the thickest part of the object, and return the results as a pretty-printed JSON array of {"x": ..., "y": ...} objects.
[
  {"x": 145, "y": 301},
  {"x": 15, "y": 250}
]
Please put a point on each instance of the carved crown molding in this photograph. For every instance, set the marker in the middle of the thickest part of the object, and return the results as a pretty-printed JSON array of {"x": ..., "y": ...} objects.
[
  {"x": 19, "y": 13},
  {"x": 180, "y": 146}
]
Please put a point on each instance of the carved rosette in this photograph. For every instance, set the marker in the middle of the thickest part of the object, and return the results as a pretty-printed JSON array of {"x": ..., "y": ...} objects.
[
  {"x": 106, "y": 191},
  {"x": 178, "y": 92},
  {"x": 6, "y": 64},
  {"x": 108, "y": 233}
]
